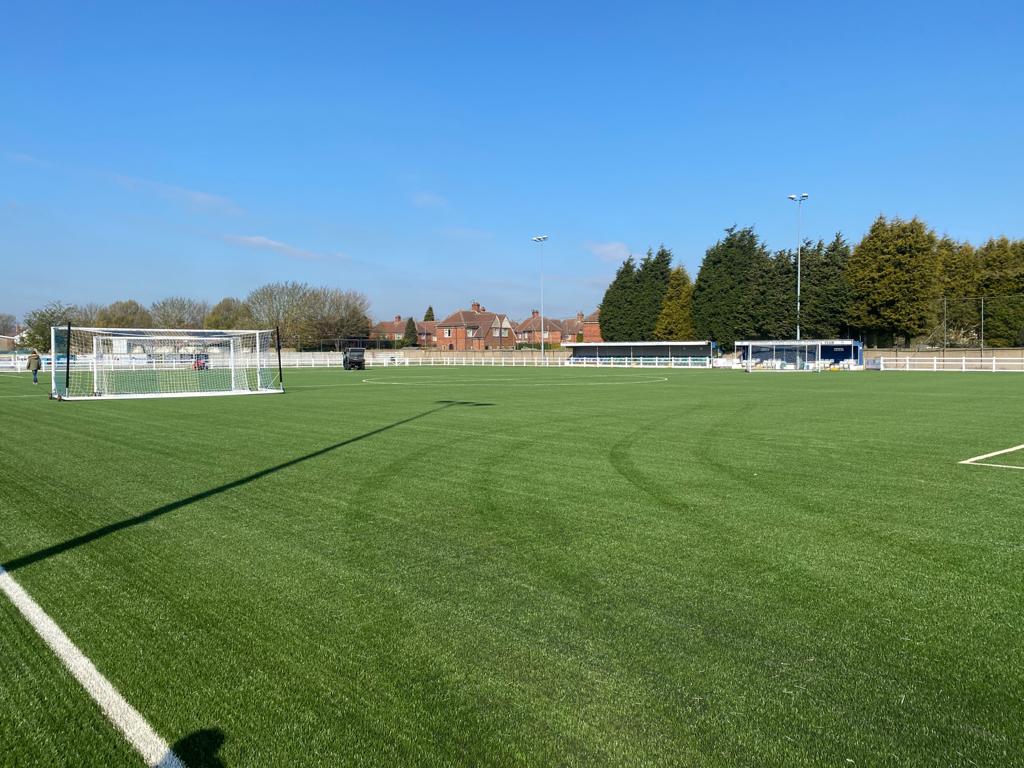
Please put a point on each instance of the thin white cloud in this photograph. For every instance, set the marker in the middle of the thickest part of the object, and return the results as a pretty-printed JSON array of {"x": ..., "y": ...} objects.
[
  {"x": 265, "y": 243},
  {"x": 609, "y": 252},
  {"x": 189, "y": 197},
  {"x": 23, "y": 158},
  {"x": 427, "y": 199}
]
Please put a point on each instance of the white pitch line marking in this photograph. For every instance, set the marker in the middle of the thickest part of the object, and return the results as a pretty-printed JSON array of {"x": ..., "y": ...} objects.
[
  {"x": 465, "y": 383},
  {"x": 985, "y": 464},
  {"x": 978, "y": 459},
  {"x": 124, "y": 716}
]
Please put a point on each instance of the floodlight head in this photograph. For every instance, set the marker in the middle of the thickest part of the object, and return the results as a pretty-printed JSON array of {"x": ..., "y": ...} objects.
[
  {"x": 803, "y": 196},
  {"x": 792, "y": 197},
  {"x": 540, "y": 238}
]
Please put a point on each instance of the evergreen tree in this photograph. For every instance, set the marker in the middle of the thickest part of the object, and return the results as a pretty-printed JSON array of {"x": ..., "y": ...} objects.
[
  {"x": 960, "y": 307},
  {"x": 675, "y": 321},
  {"x": 774, "y": 311},
  {"x": 1002, "y": 285},
  {"x": 652, "y": 280},
  {"x": 825, "y": 296},
  {"x": 429, "y": 314},
  {"x": 409, "y": 338},
  {"x": 728, "y": 295},
  {"x": 617, "y": 306},
  {"x": 894, "y": 278}
]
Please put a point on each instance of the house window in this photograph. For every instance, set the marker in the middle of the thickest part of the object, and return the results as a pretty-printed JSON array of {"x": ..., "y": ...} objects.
[
  {"x": 470, "y": 333},
  {"x": 447, "y": 333}
]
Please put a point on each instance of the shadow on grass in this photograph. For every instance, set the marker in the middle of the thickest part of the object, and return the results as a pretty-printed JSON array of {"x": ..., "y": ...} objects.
[
  {"x": 199, "y": 749},
  {"x": 131, "y": 522}
]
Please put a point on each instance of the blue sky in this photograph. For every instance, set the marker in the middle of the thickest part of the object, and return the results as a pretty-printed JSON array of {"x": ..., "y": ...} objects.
[{"x": 410, "y": 150}]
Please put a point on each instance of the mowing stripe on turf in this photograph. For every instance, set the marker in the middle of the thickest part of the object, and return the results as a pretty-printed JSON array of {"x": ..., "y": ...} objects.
[{"x": 140, "y": 734}]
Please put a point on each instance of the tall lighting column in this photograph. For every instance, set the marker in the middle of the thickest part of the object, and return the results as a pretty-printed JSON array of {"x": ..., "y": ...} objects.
[
  {"x": 799, "y": 200},
  {"x": 540, "y": 240}
]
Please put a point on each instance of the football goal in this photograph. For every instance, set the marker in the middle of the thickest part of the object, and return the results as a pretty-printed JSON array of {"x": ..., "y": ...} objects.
[{"x": 110, "y": 363}]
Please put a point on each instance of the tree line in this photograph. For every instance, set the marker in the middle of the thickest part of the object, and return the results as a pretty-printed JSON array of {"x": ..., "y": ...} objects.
[
  {"x": 901, "y": 284},
  {"x": 306, "y": 315}
]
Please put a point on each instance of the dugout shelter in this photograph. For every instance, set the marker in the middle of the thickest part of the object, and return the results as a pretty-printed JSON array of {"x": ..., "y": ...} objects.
[{"x": 800, "y": 354}]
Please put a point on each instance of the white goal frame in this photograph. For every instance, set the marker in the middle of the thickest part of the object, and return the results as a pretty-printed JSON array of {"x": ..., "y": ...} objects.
[{"x": 96, "y": 363}]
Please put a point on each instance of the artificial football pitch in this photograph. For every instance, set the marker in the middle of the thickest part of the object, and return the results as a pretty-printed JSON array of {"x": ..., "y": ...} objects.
[{"x": 467, "y": 566}]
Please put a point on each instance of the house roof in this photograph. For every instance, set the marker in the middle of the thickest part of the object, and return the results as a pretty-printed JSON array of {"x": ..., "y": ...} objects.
[
  {"x": 593, "y": 317},
  {"x": 468, "y": 318},
  {"x": 390, "y": 326},
  {"x": 426, "y": 326},
  {"x": 572, "y": 326},
  {"x": 533, "y": 324}
]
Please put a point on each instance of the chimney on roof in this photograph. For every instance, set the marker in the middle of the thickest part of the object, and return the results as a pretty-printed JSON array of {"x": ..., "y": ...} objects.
[
  {"x": 535, "y": 313},
  {"x": 579, "y": 317},
  {"x": 475, "y": 306},
  {"x": 398, "y": 318}
]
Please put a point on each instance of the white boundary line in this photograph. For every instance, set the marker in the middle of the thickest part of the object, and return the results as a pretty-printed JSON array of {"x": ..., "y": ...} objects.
[
  {"x": 469, "y": 383},
  {"x": 977, "y": 460},
  {"x": 124, "y": 716}
]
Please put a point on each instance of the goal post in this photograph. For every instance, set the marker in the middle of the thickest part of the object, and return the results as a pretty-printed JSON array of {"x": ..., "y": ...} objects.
[{"x": 121, "y": 363}]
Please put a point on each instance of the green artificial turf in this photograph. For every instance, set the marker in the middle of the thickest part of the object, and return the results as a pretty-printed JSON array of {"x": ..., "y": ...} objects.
[{"x": 463, "y": 566}]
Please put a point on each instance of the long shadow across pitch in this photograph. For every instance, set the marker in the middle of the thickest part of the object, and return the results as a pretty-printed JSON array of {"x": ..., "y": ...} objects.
[{"x": 145, "y": 517}]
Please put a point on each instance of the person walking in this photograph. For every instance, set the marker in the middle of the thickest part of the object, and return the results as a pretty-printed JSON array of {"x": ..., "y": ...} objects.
[{"x": 35, "y": 362}]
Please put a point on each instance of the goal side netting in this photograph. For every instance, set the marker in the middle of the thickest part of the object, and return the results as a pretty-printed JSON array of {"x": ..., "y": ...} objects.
[{"x": 111, "y": 363}]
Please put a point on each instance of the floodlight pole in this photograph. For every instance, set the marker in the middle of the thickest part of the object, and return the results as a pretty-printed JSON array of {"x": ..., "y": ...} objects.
[
  {"x": 541, "y": 239},
  {"x": 799, "y": 200}
]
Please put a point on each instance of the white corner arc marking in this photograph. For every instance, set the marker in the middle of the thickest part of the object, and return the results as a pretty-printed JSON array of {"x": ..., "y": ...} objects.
[{"x": 139, "y": 733}]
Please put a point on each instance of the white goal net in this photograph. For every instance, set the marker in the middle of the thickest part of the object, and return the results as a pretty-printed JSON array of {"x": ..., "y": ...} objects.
[{"x": 103, "y": 363}]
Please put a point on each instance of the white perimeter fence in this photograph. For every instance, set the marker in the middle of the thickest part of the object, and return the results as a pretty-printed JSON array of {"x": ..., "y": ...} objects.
[
  {"x": 919, "y": 363},
  {"x": 374, "y": 359},
  {"x": 383, "y": 359}
]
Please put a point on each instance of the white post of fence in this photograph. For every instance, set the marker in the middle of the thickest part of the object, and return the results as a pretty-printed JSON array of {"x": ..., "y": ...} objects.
[{"x": 993, "y": 363}]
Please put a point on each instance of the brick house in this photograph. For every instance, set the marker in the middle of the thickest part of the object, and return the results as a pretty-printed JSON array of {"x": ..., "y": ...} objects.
[
  {"x": 394, "y": 330},
  {"x": 426, "y": 333},
  {"x": 475, "y": 329},
  {"x": 528, "y": 331},
  {"x": 390, "y": 330},
  {"x": 572, "y": 327},
  {"x": 592, "y": 327}
]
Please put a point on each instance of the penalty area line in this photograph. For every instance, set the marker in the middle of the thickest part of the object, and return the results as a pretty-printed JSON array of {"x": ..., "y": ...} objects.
[
  {"x": 978, "y": 461},
  {"x": 139, "y": 733}
]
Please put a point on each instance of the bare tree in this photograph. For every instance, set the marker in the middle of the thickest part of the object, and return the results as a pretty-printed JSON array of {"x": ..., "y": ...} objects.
[
  {"x": 284, "y": 306},
  {"x": 229, "y": 313},
  {"x": 86, "y": 314},
  {"x": 179, "y": 312},
  {"x": 8, "y": 325},
  {"x": 306, "y": 315},
  {"x": 39, "y": 321},
  {"x": 337, "y": 314}
]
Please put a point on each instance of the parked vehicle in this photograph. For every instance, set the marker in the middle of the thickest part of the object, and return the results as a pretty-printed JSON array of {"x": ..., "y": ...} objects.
[{"x": 354, "y": 359}]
